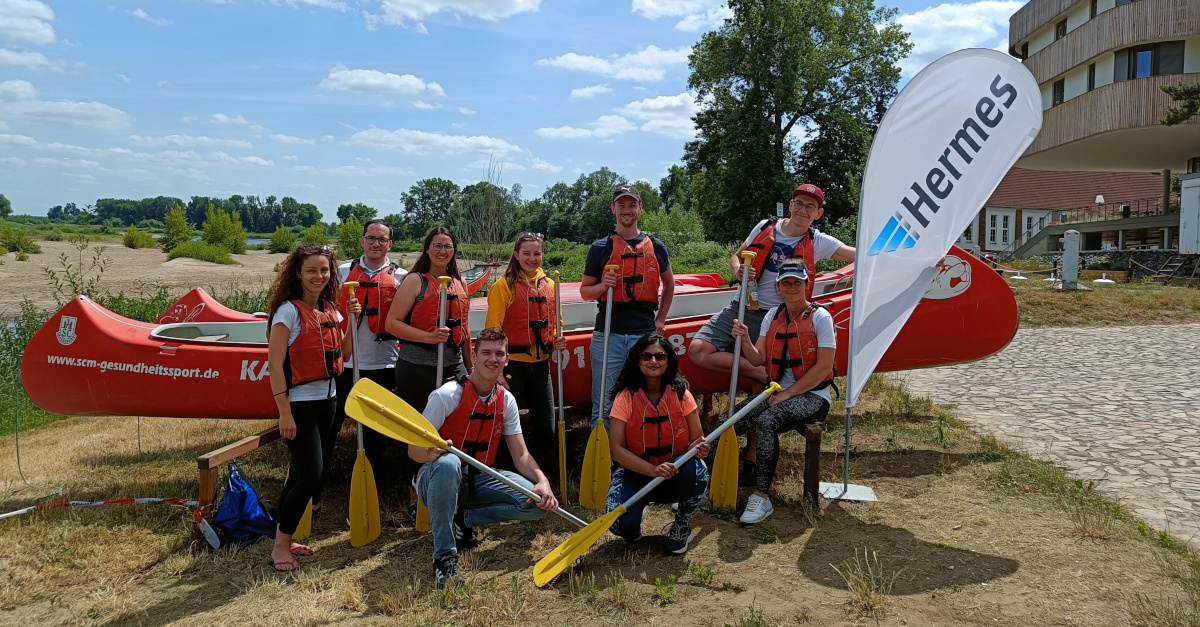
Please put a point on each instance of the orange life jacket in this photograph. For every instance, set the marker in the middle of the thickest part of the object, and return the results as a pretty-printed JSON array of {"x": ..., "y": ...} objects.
[
  {"x": 475, "y": 426},
  {"x": 316, "y": 354},
  {"x": 424, "y": 313},
  {"x": 657, "y": 432},
  {"x": 527, "y": 322},
  {"x": 792, "y": 343},
  {"x": 640, "y": 274},
  {"x": 375, "y": 294},
  {"x": 765, "y": 241}
]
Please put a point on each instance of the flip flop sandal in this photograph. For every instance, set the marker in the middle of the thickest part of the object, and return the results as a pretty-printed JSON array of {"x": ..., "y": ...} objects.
[
  {"x": 301, "y": 550},
  {"x": 294, "y": 566}
]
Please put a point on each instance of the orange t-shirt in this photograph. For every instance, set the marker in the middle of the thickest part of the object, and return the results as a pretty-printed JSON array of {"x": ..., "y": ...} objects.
[{"x": 624, "y": 402}]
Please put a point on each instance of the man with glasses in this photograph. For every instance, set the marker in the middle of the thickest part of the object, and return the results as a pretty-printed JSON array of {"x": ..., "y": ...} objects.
[
  {"x": 377, "y": 351},
  {"x": 642, "y": 290}
]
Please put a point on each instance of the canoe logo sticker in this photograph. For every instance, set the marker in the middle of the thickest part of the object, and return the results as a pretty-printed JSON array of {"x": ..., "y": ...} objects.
[
  {"x": 66, "y": 330},
  {"x": 953, "y": 278},
  {"x": 179, "y": 313}
]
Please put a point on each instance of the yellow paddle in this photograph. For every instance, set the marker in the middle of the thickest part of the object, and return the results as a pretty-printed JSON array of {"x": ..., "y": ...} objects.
[
  {"x": 562, "y": 419},
  {"x": 364, "y": 498},
  {"x": 422, "y": 525},
  {"x": 596, "y": 476},
  {"x": 566, "y": 553},
  {"x": 722, "y": 492},
  {"x": 374, "y": 406},
  {"x": 304, "y": 529}
]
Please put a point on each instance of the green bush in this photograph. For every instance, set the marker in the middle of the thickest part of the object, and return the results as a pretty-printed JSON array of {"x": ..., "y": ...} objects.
[
  {"x": 53, "y": 235},
  {"x": 702, "y": 257},
  {"x": 202, "y": 251},
  {"x": 13, "y": 239},
  {"x": 676, "y": 229},
  {"x": 110, "y": 226},
  {"x": 349, "y": 243},
  {"x": 406, "y": 245},
  {"x": 176, "y": 230},
  {"x": 315, "y": 234},
  {"x": 224, "y": 230},
  {"x": 150, "y": 223},
  {"x": 137, "y": 239},
  {"x": 565, "y": 256},
  {"x": 22, "y": 256},
  {"x": 283, "y": 240}
]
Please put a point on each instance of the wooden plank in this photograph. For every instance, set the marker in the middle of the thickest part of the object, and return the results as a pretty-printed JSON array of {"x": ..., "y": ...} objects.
[
  {"x": 812, "y": 463},
  {"x": 237, "y": 449}
]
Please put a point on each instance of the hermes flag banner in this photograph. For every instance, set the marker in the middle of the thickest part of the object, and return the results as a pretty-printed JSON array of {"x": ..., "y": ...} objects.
[{"x": 943, "y": 146}]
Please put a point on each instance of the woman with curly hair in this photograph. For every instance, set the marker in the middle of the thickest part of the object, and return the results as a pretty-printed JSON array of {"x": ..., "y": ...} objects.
[
  {"x": 304, "y": 355},
  {"x": 654, "y": 420}
]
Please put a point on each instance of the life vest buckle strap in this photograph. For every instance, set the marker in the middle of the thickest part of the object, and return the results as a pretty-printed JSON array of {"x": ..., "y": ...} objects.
[
  {"x": 481, "y": 416},
  {"x": 327, "y": 324},
  {"x": 654, "y": 420}
]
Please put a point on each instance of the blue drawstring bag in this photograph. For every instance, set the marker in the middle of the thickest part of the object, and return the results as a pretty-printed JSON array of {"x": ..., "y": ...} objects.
[{"x": 242, "y": 515}]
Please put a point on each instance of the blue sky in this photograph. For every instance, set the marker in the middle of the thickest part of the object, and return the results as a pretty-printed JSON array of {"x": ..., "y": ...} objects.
[{"x": 344, "y": 101}]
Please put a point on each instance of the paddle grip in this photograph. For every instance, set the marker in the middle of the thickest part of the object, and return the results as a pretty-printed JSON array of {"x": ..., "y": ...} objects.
[
  {"x": 712, "y": 437},
  {"x": 491, "y": 472}
]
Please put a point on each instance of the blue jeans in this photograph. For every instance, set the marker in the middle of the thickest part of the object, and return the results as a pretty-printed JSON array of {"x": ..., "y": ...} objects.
[
  {"x": 442, "y": 486},
  {"x": 684, "y": 488},
  {"x": 618, "y": 349}
]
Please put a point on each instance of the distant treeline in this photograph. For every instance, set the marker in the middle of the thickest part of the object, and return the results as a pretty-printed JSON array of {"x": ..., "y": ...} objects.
[{"x": 257, "y": 215}]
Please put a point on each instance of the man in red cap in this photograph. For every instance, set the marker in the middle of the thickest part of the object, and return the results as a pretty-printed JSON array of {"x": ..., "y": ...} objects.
[{"x": 774, "y": 241}]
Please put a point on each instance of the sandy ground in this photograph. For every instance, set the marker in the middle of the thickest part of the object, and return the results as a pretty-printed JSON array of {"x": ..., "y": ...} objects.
[{"x": 133, "y": 270}]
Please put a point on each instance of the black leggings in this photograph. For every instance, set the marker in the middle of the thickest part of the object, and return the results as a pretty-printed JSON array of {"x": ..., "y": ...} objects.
[
  {"x": 529, "y": 383},
  {"x": 373, "y": 441},
  {"x": 768, "y": 422},
  {"x": 308, "y": 460}
]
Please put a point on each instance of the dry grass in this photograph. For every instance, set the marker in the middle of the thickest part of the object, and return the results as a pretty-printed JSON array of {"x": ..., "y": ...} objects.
[
  {"x": 868, "y": 580},
  {"x": 1116, "y": 305}
]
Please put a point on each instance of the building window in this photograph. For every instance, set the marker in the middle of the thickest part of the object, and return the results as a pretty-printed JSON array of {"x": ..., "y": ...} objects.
[
  {"x": 1091, "y": 77},
  {"x": 1094, "y": 11},
  {"x": 1160, "y": 59},
  {"x": 1025, "y": 50},
  {"x": 1059, "y": 92},
  {"x": 1028, "y": 223},
  {"x": 1060, "y": 30}
]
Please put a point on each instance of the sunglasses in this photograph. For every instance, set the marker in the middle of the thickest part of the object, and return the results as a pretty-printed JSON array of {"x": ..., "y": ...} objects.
[
  {"x": 376, "y": 240},
  {"x": 653, "y": 357},
  {"x": 531, "y": 235},
  {"x": 312, "y": 249}
]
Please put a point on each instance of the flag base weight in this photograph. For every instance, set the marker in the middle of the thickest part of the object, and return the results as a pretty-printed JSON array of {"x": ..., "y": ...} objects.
[{"x": 846, "y": 492}]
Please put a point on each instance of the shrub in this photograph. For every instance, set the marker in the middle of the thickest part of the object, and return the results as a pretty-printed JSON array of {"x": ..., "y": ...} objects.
[
  {"x": 202, "y": 251},
  {"x": 53, "y": 235},
  {"x": 137, "y": 239},
  {"x": 223, "y": 230},
  {"x": 22, "y": 256},
  {"x": 565, "y": 256},
  {"x": 150, "y": 223},
  {"x": 315, "y": 234},
  {"x": 702, "y": 257},
  {"x": 349, "y": 242},
  {"x": 176, "y": 229},
  {"x": 13, "y": 239},
  {"x": 283, "y": 240},
  {"x": 110, "y": 226},
  {"x": 676, "y": 229}
]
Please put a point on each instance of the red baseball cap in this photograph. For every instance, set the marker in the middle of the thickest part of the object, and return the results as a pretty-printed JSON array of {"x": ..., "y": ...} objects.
[{"x": 809, "y": 189}]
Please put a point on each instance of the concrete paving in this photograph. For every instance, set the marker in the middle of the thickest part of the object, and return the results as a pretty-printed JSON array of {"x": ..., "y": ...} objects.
[{"x": 1117, "y": 405}]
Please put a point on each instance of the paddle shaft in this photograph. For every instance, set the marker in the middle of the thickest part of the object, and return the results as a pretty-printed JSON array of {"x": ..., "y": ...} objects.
[
  {"x": 354, "y": 346},
  {"x": 441, "y": 323},
  {"x": 737, "y": 341},
  {"x": 491, "y": 472},
  {"x": 604, "y": 353},
  {"x": 562, "y": 417},
  {"x": 712, "y": 437}
]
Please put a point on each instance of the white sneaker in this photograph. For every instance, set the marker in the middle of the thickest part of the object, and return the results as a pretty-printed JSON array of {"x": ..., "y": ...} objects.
[{"x": 758, "y": 508}]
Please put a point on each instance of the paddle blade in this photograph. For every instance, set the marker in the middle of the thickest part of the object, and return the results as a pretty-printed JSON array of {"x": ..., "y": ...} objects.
[
  {"x": 376, "y": 407},
  {"x": 423, "y": 524},
  {"x": 596, "y": 476},
  {"x": 304, "y": 529},
  {"x": 570, "y": 550},
  {"x": 364, "y": 502},
  {"x": 723, "y": 491}
]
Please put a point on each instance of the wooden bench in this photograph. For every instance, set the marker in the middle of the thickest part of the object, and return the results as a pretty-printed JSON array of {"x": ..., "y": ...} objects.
[
  {"x": 812, "y": 463},
  {"x": 210, "y": 463}
]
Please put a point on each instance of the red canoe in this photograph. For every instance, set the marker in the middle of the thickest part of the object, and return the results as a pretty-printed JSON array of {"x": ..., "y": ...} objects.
[{"x": 87, "y": 360}]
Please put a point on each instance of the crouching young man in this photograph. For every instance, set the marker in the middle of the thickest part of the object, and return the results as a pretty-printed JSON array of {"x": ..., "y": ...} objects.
[{"x": 472, "y": 414}]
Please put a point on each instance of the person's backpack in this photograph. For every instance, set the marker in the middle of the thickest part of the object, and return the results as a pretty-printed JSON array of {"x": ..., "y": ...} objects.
[{"x": 242, "y": 515}]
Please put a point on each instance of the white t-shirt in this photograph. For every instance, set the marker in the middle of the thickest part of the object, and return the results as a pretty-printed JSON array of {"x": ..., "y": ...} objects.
[
  {"x": 444, "y": 400},
  {"x": 824, "y": 246},
  {"x": 313, "y": 390},
  {"x": 370, "y": 354},
  {"x": 822, "y": 324}
]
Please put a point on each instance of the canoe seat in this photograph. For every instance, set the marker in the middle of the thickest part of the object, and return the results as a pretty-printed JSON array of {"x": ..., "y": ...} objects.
[{"x": 212, "y": 338}]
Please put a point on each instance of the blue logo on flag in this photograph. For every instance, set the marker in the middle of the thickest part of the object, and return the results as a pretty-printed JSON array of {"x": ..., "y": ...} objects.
[{"x": 897, "y": 233}]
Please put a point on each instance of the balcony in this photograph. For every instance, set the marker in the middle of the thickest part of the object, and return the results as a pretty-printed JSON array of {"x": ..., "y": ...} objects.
[
  {"x": 1034, "y": 15},
  {"x": 1128, "y": 25},
  {"x": 1115, "y": 128}
]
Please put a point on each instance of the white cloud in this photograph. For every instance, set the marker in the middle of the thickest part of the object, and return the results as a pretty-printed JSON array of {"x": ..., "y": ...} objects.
[
  {"x": 466, "y": 111},
  {"x": 188, "y": 141},
  {"x": 293, "y": 140},
  {"x": 425, "y": 143},
  {"x": 605, "y": 126},
  {"x": 341, "y": 78},
  {"x": 290, "y": 158},
  {"x": 320, "y": 4},
  {"x": 408, "y": 12},
  {"x": 31, "y": 60},
  {"x": 161, "y": 83},
  {"x": 647, "y": 64},
  {"x": 18, "y": 140},
  {"x": 221, "y": 118},
  {"x": 665, "y": 115},
  {"x": 124, "y": 79},
  {"x": 26, "y": 21},
  {"x": 584, "y": 93},
  {"x": 695, "y": 14},
  {"x": 491, "y": 164},
  {"x": 20, "y": 101},
  {"x": 939, "y": 30},
  {"x": 421, "y": 104},
  {"x": 328, "y": 139},
  {"x": 142, "y": 15},
  {"x": 541, "y": 165}
]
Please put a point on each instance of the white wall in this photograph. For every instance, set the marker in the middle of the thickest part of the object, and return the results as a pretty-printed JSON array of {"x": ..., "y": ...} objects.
[
  {"x": 1042, "y": 38},
  {"x": 1103, "y": 6},
  {"x": 1191, "y": 55},
  {"x": 1078, "y": 14},
  {"x": 1076, "y": 83},
  {"x": 1104, "y": 68},
  {"x": 1047, "y": 95}
]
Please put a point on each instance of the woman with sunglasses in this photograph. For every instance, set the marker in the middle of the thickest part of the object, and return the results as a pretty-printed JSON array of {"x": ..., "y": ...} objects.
[
  {"x": 414, "y": 319},
  {"x": 522, "y": 304},
  {"x": 796, "y": 342},
  {"x": 304, "y": 355},
  {"x": 654, "y": 420}
]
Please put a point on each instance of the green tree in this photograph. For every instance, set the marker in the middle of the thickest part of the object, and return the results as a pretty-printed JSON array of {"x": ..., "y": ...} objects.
[
  {"x": 675, "y": 189},
  {"x": 5, "y": 207},
  {"x": 224, "y": 230},
  {"x": 1187, "y": 97},
  {"x": 283, "y": 240},
  {"x": 349, "y": 238},
  {"x": 834, "y": 159},
  {"x": 426, "y": 204},
  {"x": 359, "y": 211},
  {"x": 315, "y": 234},
  {"x": 771, "y": 71},
  {"x": 176, "y": 229},
  {"x": 137, "y": 239}
]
